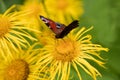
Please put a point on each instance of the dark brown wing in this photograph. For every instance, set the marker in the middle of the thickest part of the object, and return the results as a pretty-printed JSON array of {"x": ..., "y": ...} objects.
[{"x": 67, "y": 29}]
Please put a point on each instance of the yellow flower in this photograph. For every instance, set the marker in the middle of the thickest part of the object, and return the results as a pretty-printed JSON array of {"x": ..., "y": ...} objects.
[
  {"x": 64, "y": 10},
  {"x": 44, "y": 34},
  {"x": 35, "y": 9},
  {"x": 12, "y": 31},
  {"x": 74, "y": 50},
  {"x": 20, "y": 65}
]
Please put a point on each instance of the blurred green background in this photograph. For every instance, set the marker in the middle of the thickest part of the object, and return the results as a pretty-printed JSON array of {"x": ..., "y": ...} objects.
[{"x": 104, "y": 15}]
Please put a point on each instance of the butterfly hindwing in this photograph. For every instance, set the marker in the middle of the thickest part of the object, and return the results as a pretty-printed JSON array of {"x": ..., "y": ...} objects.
[
  {"x": 59, "y": 29},
  {"x": 67, "y": 29}
]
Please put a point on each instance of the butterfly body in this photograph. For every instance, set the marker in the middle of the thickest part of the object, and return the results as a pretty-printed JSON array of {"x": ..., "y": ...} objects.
[{"x": 59, "y": 29}]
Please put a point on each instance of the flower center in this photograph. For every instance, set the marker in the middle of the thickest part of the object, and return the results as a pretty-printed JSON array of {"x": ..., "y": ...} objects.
[
  {"x": 4, "y": 25},
  {"x": 65, "y": 50},
  {"x": 17, "y": 70},
  {"x": 62, "y": 4}
]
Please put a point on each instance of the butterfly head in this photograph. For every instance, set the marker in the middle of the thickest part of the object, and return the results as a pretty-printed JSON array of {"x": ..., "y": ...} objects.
[{"x": 59, "y": 29}]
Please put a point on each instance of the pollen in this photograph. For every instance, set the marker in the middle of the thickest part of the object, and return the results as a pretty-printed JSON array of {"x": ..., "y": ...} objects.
[
  {"x": 5, "y": 24},
  {"x": 17, "y": 70},
  {"x": 66, "y": 50}
]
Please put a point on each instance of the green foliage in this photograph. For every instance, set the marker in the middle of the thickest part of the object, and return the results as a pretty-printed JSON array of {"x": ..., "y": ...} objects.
[{"x": 104, "y": 15}]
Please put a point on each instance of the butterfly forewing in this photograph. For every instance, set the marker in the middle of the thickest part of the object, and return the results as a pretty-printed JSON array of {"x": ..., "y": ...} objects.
[{"x": 59, "y": 29}]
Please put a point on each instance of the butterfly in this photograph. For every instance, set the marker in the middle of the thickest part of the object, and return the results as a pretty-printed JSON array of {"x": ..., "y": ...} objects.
[{"x": 59, "y": 29}]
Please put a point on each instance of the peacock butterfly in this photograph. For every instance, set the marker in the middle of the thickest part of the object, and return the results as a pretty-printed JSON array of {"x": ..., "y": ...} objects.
[{"x": 59, "y": 29}]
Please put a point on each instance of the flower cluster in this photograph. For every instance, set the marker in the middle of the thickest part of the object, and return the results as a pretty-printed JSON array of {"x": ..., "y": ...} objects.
[{"x": 29, "y": 50}]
